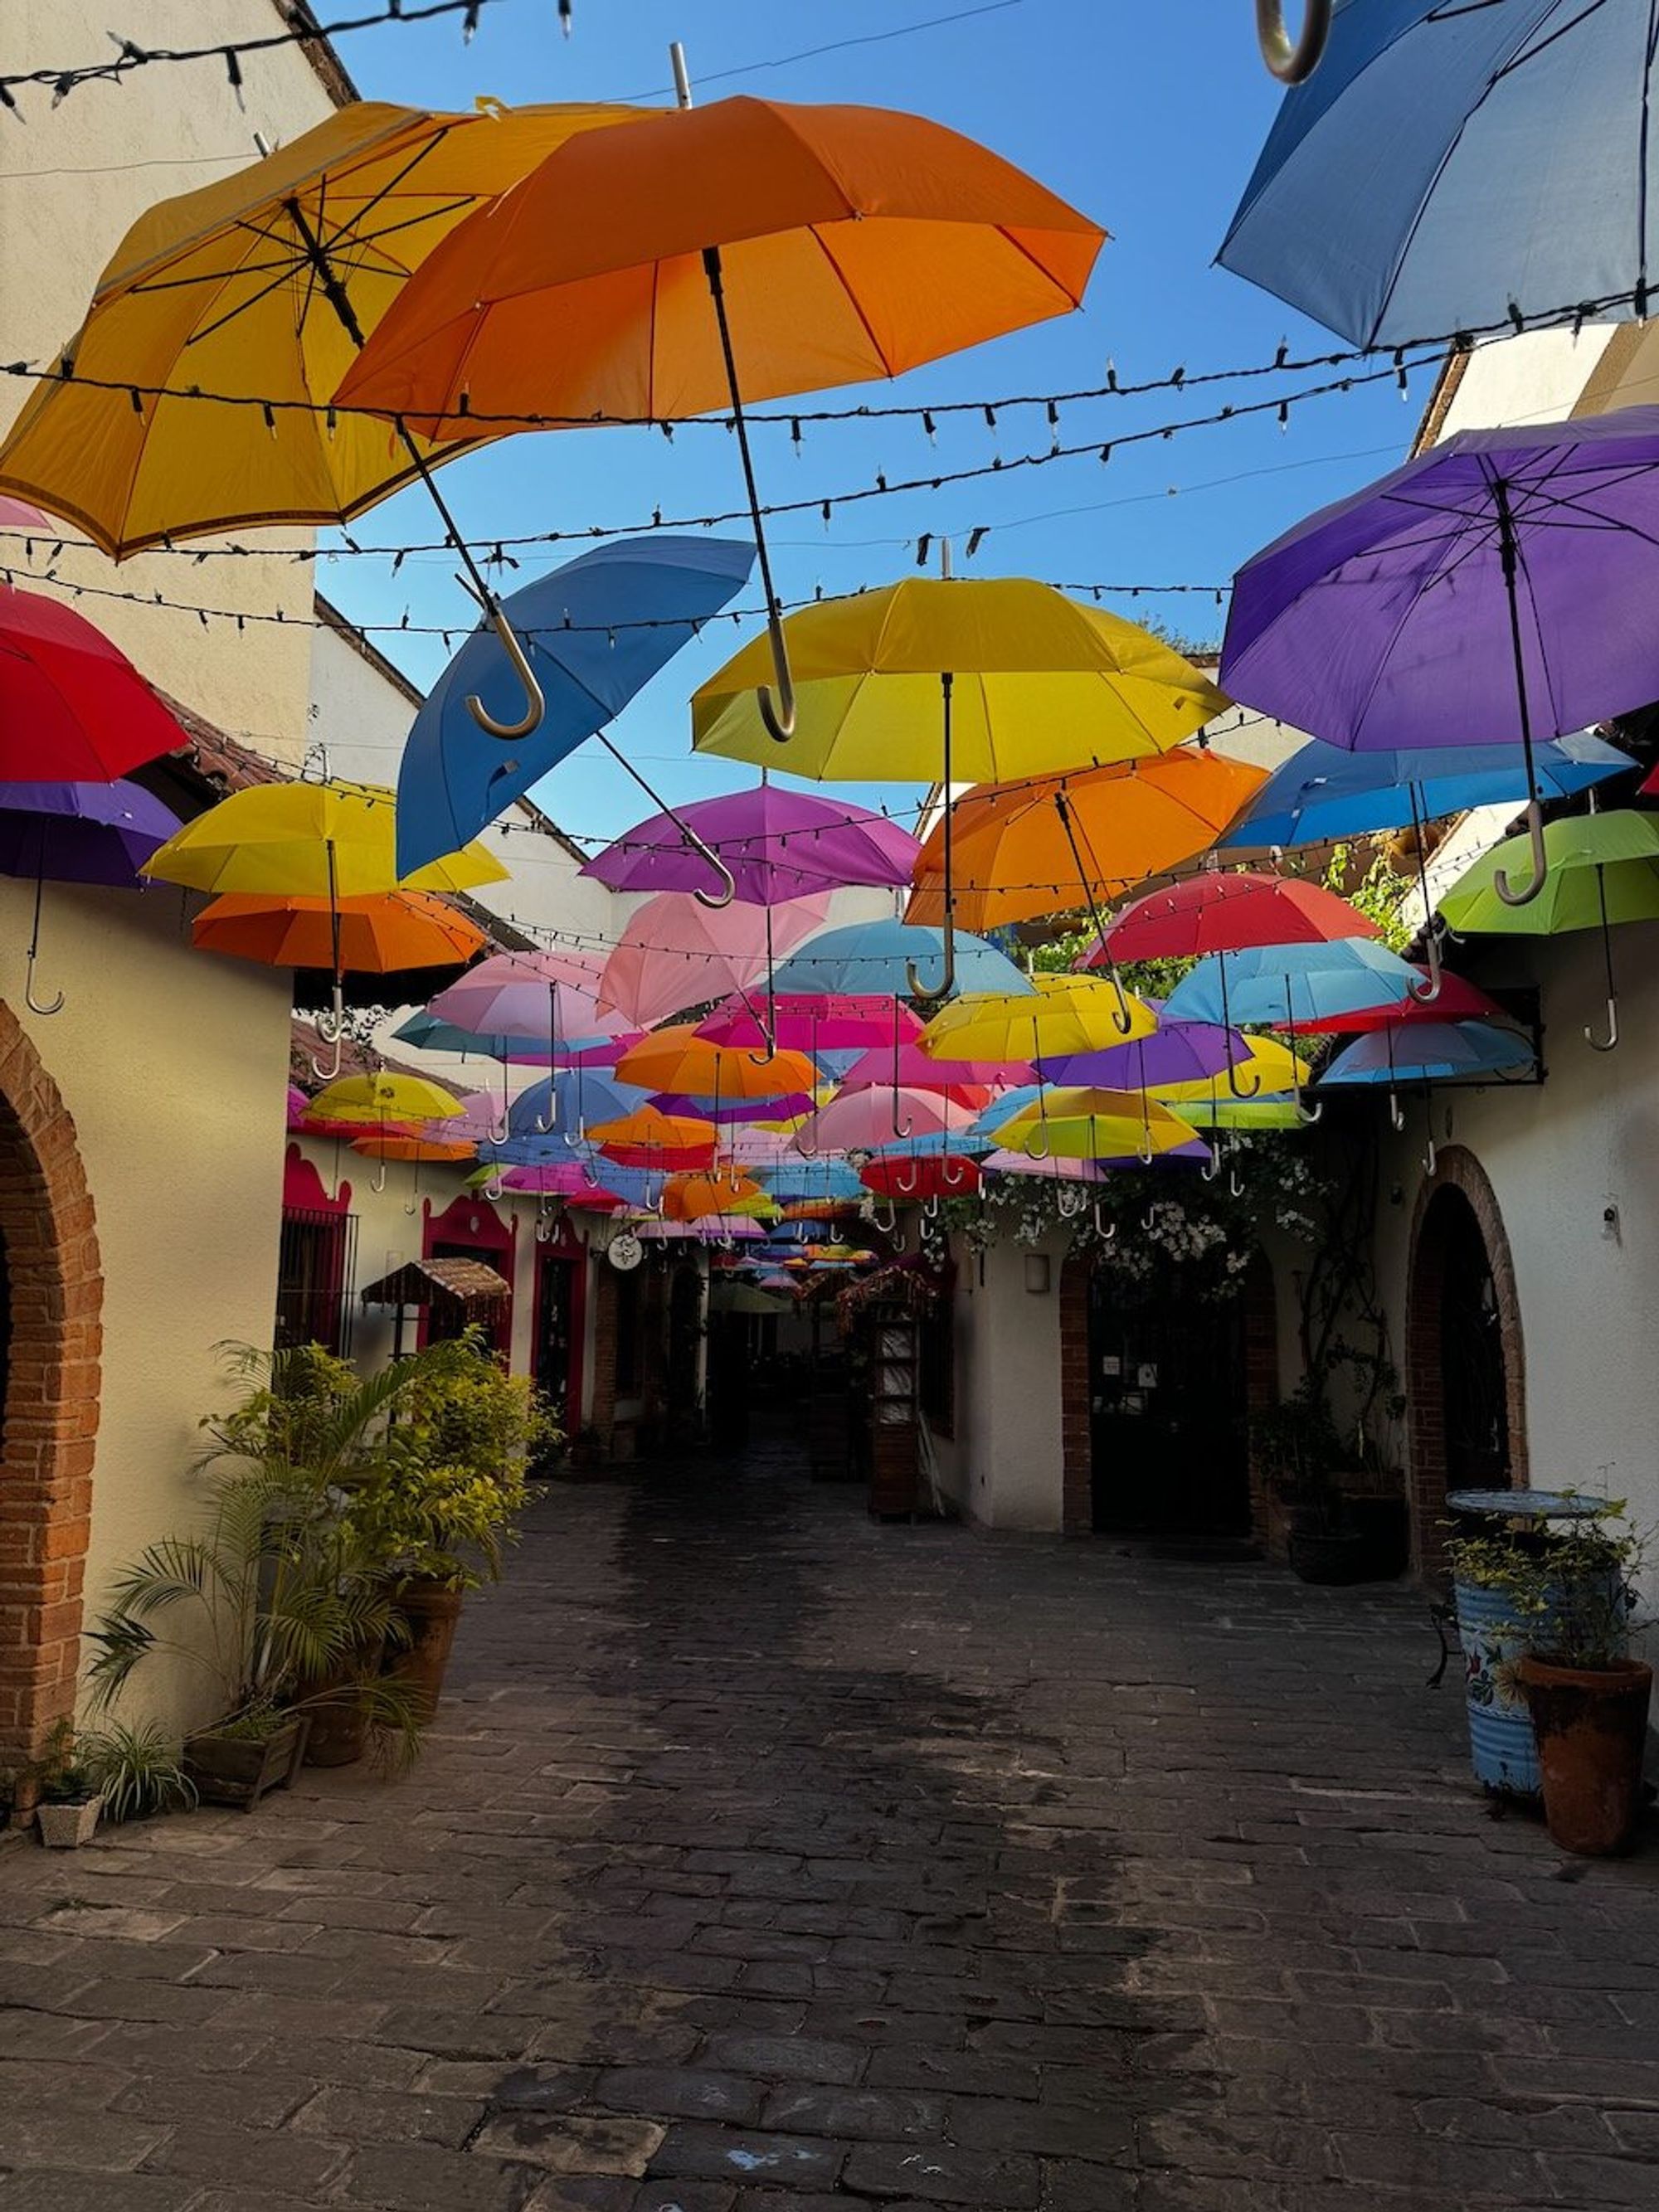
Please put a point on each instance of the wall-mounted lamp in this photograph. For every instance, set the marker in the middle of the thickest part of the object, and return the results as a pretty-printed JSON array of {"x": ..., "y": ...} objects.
[{"x": 1037, "y": 1273}]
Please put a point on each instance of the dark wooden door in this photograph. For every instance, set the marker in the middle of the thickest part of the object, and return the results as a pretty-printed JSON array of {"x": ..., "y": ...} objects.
[{"x": 1169, "y": 1416}]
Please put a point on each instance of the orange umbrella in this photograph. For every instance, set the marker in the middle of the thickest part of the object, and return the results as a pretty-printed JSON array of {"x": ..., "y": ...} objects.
[
  {"x": 751, "y": 248},
  {"x": 394, "y": 1145},
  {"x": 377, "y": 934},
  {"x": 1046, "y": 843},
  {"x": 693, "y": 1197},
  {"x": 678, "y": 1060},
  {"x": 648, "y": 1137}
]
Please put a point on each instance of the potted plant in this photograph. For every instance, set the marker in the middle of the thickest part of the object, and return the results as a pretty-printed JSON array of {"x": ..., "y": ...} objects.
[
  {"x": 440, "y": 1507},
  {"x": 69, "y": 1802},
  {"x": 278, "y": 1597},
  {"x": 1300, "y": 1453},
  {"x": 1588, "y": 1696}
]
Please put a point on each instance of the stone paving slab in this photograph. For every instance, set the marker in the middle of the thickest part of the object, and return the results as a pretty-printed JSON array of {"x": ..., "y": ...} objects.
[{"x": 766, "y": 1860}]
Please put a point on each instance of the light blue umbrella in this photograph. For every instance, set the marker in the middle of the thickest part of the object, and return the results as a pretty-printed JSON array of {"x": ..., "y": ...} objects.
[
  {"x": 595, "y": 632},
  {"x": 1452, "y": 163},
  {"x": 1430, "y": 1053},
  {"x": 804, "y": 1180},
  {"x": 1002, "y": 1108},
  {"x": 566, "y": 1103},
  {"x": 431, "y": 1033},
  {"x": 875, "y": 956},
  {"x": 1324, "y": 792}
]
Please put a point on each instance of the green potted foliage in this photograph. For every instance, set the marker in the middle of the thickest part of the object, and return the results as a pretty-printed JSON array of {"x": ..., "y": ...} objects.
[
  {"x": 440, "y": 1507},
  {"x": 278, "y": 1597},
  {"x": 1301, "y": 1455},
  {"x": 69, "y": 1802}
]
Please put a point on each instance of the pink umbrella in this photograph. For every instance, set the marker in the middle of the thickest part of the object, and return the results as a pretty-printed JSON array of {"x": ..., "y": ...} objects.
[
  {"x": 779, "y": 845},
  {"x": 545, "y": 995},
  {"x": 675, "y": 953},
  {"x": 839, "y": 1021},
  {"x": 864, "y": 1121},
  {"x": 298, "y": 1104},
  {"x": 969, "y": 1082},
  {"x": 1021, "y": 1163}
]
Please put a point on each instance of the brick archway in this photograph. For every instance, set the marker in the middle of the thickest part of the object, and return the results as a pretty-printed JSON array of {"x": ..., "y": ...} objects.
[
  {"x": 1459, "y": 1182},
  {"x": 51, "y": 1414}
]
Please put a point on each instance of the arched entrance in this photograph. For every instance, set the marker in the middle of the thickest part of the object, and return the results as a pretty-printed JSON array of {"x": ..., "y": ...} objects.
[
  {"x": 1465, "y": 1378},
  {"x": 52, "y": 1287}
]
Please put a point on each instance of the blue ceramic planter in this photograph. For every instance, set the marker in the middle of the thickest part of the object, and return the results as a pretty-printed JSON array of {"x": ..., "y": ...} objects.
[{"x": 1495, "y": 1639}]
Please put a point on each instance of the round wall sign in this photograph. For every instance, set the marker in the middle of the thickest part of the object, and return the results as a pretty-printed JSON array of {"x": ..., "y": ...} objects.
[{"x": 625, "y": 1252}]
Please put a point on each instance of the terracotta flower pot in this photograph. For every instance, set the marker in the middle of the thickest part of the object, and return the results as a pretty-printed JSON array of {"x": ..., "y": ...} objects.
[
  {"x": 1591, "y": 1726},
  {"x": 432, "y": 1612},
  {"x": 339, "y": 1713}
]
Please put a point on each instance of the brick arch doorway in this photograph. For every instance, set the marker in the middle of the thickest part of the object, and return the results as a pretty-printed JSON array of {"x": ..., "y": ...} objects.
[
  {"x": 1465, "y": 1376},
  {"x": 51, "y": 1339}
]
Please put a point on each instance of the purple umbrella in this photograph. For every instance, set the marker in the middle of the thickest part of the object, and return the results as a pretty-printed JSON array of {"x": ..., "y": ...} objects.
[
  {"x": 785, "y": 1108},
  {"x": 1176, "y": 1052},
  {"x": 1501, "y": 586},
  {"x": 778, "y": 844},
  {"x": 77, "y": 832}
]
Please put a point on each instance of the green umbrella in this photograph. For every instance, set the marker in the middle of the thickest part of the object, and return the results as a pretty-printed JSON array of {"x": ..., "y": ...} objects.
[{"x": 1603, "y": 869}]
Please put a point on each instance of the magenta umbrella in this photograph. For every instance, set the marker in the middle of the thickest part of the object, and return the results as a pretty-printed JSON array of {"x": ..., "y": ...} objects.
[
  {"x": 786, "y": 1107},
  {"x": 675, "y": 953},
  {"x": 779, "y": 845},
  {"x": 906, "y": 1065},
  {"x": 839, "y": 1021}
]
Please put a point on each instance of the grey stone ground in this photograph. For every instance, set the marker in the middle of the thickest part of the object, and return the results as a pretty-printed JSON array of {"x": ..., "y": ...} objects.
[{"x": 766, "y": 1861}]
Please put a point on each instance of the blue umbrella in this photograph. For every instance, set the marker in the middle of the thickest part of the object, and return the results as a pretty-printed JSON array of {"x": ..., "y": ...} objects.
[
  {"x": 1430, "y": 1052},
  {"x": 826, "y": 1179},
  {"x": 595, "y": 632},
  {"x": 1002, "y": 1108},
  {"x": 875, "y": 956},
  {"x": 1451, "y": 163},
  {"x": 563, "y": 1104},
  {"x": 1324, "y": 791},
  {"x": 77, "y": 832},
  {"x": 431, "y": 1033}
]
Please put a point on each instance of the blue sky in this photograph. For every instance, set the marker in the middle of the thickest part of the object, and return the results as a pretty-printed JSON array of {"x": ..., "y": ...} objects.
[{"x": 1148, "y": 117}]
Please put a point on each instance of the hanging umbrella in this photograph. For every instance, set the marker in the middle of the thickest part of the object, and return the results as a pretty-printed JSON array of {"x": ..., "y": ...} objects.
[
  {"x": 72, "y": 706},
  {"x": 946, "y": 1174},
  {"x": 391, "y": 1144},
  {"x": 263, "y": 284},
  {"x": 1458, "y": 1000},
  {"x": 428, "y": 1032},
  {"x": 729, "y": 1113},
  {"x": 779, "y": 845},
  {"x": 1044, "y": 844},
  {"x": 298, "y": 1105},
  {"x": 865, "y": 957},
  {"x": 569, "y": 1101},
  {"x": 1500, "y": 586},
  {"x": 590, "y": 635},
  {"x": 678, "y": 1058},
  {"x": 1272, "y": 1066},
  {"x": 1064, "y": 1014},
  {"x": 864, "y": 1121},
  {"x": 744, "y": 251},
  {"x": 1093, "y": 1124},
  {"x": 550, "y": 996},
  {"x": 722, "y": 1190},
  {"x": 1431, "y": 1053},
  {"x": 987, "y": 679},
  {"x": 1056, "y": 1170},
  {"x": 76, "y": 833},
  {"x": 815, "y": 1023},
  {"x": 969, "y": 1082},
  {"x": 644, "y": 1137},
  {"x": 1603, "y": 870},
  {"x": 368, "y": 1100},
  {"x": 379, "y": 935},
  {"x": 674, "y": 953},
  {"x": 798, "y": 1180},
  {"x": 1221, "y": 913},
  {"x": 1453, "y": 166},
  {"x": 1176, "y": 1052},
  {"x": 308, "y": 841}
]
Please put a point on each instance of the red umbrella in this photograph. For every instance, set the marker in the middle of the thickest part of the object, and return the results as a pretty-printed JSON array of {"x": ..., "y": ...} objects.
[
  {"x": 73, "y": 708},
  {"x": 1226, "y": 913},
  {"x": 1456, "y": 1001},
  {"x": 921, "y": 1175}
]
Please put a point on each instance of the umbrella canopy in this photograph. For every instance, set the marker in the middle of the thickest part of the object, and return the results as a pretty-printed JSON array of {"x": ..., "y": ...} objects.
[
  {"x": 1064, "y": 1014},
  {"x": 570, "y": 1101},
  {"x": 1045, "y": 844},
  {"x": 1218, "y": 1110},
  {"x": 366, "y": 1100},
  {"x": 1397, "y": 617},
  {"x": 1457, "y": 1000},
  {"x": 1604, "y": 868},
  {"x": 429, "y": 1033},
  {"x": 969, "y": 1082},
  {"x": 645, "y": 1137},
  {"x": 779, "y": 845},
  {"x": 1098, "y": 1125},
  {"x": 1430, "y": 1052},
  {"x": 1446, "y": 166},
  {"x": 545, "y": 996},
  {"x": 1286, "y": 985},
  {"x": 797, "y": 1180},
  {"x": 1271, "y": 1066},
  {"x": 945, "y": 1175},
  {"x": 1176, "y": 1052},
  {"x": 678, "y": 1059},
  {"x": 378, "y": 935},
  {"x": 818, "y": 1023},
  {"x": 674, "y": 953},
  {"x": 329, "y": 841},
  {"x": 875, "y": 958},
  {"x": 1057, "y": 1169},
  {"x": 596, "y": 631},
  {"x": 866, "y": 1121},
  {"x": 72, "y": 706},
  {"x": 263, "y": 283},
  {"x": 81, "y": 833},
  {"x": 1221, "y": 913},
  {"x": 1322, "y": 792},
  {"x": 724, "y": 1190},
  {"x": 391, "y": 1144}
]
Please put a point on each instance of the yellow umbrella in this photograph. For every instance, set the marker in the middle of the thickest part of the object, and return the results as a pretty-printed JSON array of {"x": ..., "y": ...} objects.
[
  {"x": 986, "y": 679},
  {"x": 1065, "y": 1014},
  {"x": 375, "y": 1099},
  {"x": 1095, "y": 1125},
  {"x": 324, "y": 840},
  {"x": 263, "y": 285}
]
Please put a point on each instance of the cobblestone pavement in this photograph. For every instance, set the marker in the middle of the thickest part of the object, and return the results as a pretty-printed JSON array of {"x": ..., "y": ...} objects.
[{"x": 767, "y": 1861}]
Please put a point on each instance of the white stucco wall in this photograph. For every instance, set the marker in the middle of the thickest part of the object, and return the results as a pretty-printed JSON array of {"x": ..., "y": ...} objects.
[
  {"x": 72, "y": 178},
  {"x": 1003, "y": 1466}
]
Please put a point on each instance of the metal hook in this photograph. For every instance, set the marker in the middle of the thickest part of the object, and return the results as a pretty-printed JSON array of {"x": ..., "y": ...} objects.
[
  {"x": 1071, "y": 1200},
  {"x": 884, "y": 1228},
  {"x": 1425, "y": 994},
  {"x": 1235, "y": 1188},
  {"x": 1212, "y": 1167},
  {"x": 379, "y": 1183},
  {"x": 495, "y": 1189},
  {"x": 1292, "y": 62},
  {"x": 1149, "y": 1221},
  {"x": 1540, "y": 862},
  {"x": 929, "y": 1209},
  {"x": 1308, "y": 1114},
  {"x": 1431, "y": 1158},
  {"x": 907, "y": 1189},
  {"x": 947, "y": 982},
  {"x": 1396, "y": 1112},
  {"x": 1104, "y": 1230},
  {"x": 535, "y": 698},
  {"x": 1607, "y": 1042},
  {"x": 39, "y": 1006}
]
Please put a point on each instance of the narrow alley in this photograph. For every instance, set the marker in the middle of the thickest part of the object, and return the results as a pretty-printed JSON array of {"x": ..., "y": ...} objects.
[{"x": 765, "y": 1859}]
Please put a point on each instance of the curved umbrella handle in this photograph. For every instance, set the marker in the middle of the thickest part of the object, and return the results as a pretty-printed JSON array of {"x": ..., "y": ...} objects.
[
  {"x": 1308, "y": 1114},
  {"x": 1212, "y": 1167},
  {"x": 1104, "y": 1230},
  {"x": 494, "y": 1190},
  {"x": 535, "y": 698},
  {"x": 908, "y": 1189},
  {"x": 379, "y": 1183},
  {"x": 52, "y": 1006},
  {"x": 884, "y": 1228},
  {"x": 1149, "y": 1221},
  {"x": 1431, "y": 1158},
  {"x": 1123, "y": 1020},
  {"x": 1292, "y": 61},
  {"x": 543, "y": 1222},
  {"x": 780, "y": 719},
  {"x": 947, "y": 982},
  {"x": 1541, "y": 864},
  {"x": 1071, "y": 1200},
  {"x": 1234, "y": 1085},
  {"x": 1609, "y": 1042},
  {"x": 1396, "y": 1113},
  {"x": 1426, "y": 993},
  {"x": 331, "y": 1027},
  {"x": 728, "y": 889}
]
